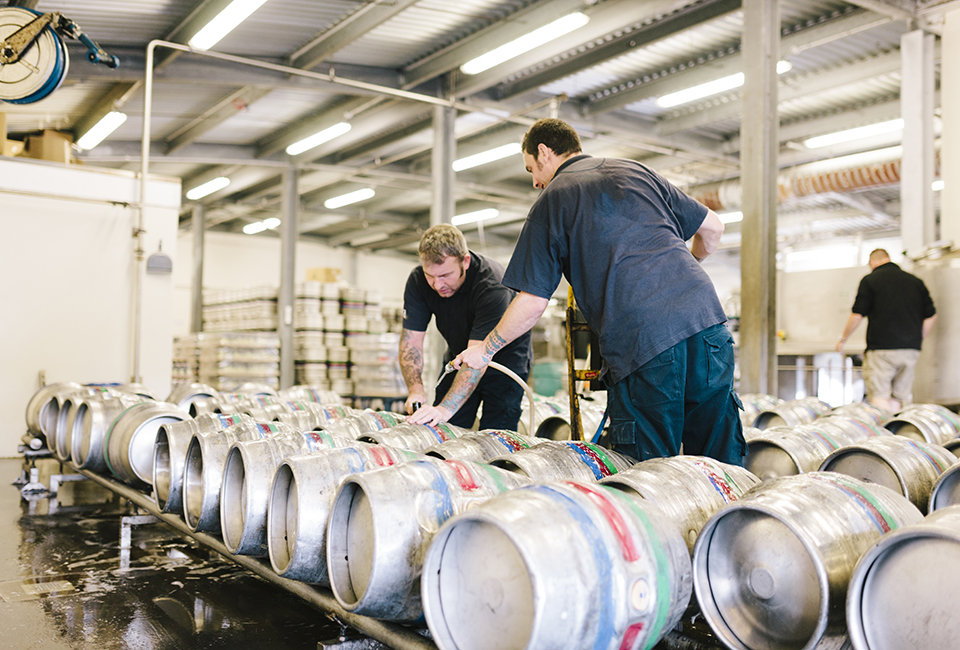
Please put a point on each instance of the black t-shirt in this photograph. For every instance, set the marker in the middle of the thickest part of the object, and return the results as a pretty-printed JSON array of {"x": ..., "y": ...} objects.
[
  {"x": 469, "y": 314},
  {"x": 616, "y": 230},
  {"x": 895, "y": 303}
]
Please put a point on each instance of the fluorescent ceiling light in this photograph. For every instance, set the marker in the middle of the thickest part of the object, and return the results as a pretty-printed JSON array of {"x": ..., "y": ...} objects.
[
  {"x": 369, "y": 239},
  {"x": 534, "y": 39},
  {"x": 711, "y": 88},
  {"x": 858, "y": 133},
  {"x": 485, "y": 157},
  {"x": 208, "y": 188},
  {"x": 349, "y": 198},
  {"x": 318, "y": 138},
  {"x": 260, "y": 226},
  {"x": 730, "y": 217},
  {"x": 107, "y": 125},
  {"x": 937, "y": 186},
  {"x": 471, "y": 217},
  {"x": 224, "y": 23}
]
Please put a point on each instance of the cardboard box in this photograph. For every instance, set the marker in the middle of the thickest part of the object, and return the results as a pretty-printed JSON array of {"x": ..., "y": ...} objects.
[
  {"x": 11, "y": 148},
  {"x": 51, "y": 145},
  {"x": 8, "y": 147},
  {"x": 324, "y": 274}
]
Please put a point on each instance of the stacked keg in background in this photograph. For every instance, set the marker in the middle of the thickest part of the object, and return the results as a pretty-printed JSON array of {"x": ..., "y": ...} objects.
[{"x": 330, "y": 320}]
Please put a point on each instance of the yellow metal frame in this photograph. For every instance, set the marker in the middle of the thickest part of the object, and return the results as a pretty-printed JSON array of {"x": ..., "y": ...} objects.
[{"x": 576, "y": 423}]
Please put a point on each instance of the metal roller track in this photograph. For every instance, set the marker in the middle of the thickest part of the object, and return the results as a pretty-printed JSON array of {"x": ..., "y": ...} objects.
[{"x": 395, "y": 636}]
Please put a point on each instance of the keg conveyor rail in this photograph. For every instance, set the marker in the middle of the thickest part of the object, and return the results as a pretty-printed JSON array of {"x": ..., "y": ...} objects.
[{"x": 394, "y": 635}]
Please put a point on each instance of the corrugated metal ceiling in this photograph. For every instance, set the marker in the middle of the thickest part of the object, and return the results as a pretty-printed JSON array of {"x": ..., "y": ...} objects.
[{"x": 430, "y": 28}]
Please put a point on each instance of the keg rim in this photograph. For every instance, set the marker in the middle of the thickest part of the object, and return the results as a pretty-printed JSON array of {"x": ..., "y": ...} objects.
[
  {"x": 704, "y": 593},
  {"x": 433, "y": 610},
  {"x": 868, "y": 562}
]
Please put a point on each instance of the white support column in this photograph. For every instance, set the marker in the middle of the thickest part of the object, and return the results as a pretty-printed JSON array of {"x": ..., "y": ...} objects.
[
  {"x": 917, "y": 226},
  {"x": 950, "y": 135},
  {"x": 196, "y": 283},
  {"x": 759, "y": 155},
  {"x": 444, "y": 178},
  {"x": 289, "y": 230}
]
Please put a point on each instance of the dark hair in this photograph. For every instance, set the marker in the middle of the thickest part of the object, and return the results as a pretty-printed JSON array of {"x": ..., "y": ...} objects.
[
  {"x": 556, "y": 134},
  {"x": 442, "y": 241}
]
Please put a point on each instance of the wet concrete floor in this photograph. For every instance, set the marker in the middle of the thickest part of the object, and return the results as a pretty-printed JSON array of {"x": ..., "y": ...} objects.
[{"x": 65, "y": 582}]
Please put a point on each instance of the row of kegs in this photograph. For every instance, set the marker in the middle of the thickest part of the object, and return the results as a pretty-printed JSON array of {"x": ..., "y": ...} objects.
[{"x": 496, "y": 539}]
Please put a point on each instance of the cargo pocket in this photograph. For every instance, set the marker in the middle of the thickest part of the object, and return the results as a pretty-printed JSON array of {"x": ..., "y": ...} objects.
[
  {"x": 719, "y": 353},
  {"x": 624, "y": 432},
  {"x": 657, "y": 381}
]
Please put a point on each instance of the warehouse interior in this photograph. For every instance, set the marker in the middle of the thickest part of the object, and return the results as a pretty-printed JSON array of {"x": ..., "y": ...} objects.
[{"x": 301, "y": 154}]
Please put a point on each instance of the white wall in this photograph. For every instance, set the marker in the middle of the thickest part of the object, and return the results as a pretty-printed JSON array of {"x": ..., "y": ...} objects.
[
  {"x": 236, "y": 261},
  {"x": 68, "y": 267}
]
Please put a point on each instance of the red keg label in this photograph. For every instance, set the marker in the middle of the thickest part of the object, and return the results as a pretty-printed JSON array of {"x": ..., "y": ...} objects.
[
  {"x": 464, "y": 477},
  {"x": 380, "y": 456},
  {"x": 617, "y": 523}
]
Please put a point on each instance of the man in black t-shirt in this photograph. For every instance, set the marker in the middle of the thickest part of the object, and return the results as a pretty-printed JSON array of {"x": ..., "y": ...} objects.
[
  {"x": 463, "y": 291},
  {"x": 900, "y": 314}
]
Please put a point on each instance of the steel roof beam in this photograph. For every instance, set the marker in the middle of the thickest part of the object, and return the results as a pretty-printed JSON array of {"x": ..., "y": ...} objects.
[
  {"x": 117, "y": 96},
  {"x": 307, "y": 126},
  {"x": 340, "y": 35},
  {"x": 624, "y": 94},
  {"x": 503, "y": 31},
  {"x": 628, "y": 41},
  {"x": 816, "y": 82},
  {"x": 605, "y": 19},
  {"x": 345, "y": 32},
  {"x": 206, "y": 71},
  {"x": 849, "y": 119}
]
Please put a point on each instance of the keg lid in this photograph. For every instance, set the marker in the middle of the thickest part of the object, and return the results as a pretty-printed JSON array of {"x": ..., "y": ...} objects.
[
  {"x": 757, "y": 584},
  {"x": 947, "y": 490},
  {"x": 766, "y": 459},
  {"x": 481, "y": 585},
  {"x": 865, "y": 465},
  {"x": 904, "y": 594}
]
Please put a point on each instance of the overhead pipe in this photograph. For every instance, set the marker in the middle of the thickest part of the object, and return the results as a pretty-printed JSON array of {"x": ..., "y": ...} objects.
[{"x": 726, "y": 195}]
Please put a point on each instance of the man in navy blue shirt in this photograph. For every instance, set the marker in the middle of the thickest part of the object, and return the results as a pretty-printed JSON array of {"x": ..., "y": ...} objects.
[
  {"x": 899, "y": 314},
  {"x": 462, "y": 290},
  {"x": 617, "y": 231}
]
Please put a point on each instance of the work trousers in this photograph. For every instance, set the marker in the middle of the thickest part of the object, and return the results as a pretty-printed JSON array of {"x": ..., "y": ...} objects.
[{"x": 684, "y": 396}]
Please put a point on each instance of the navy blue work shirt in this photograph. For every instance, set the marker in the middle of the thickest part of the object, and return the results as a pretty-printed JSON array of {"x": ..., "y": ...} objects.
[{"x": 616, "y": 230}]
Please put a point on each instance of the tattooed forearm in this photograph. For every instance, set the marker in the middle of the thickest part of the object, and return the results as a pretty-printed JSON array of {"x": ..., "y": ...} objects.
[
  {"x": 492, "y": 344},
  {"x": 463, "y": 385},
  {"x": 411, "y": 360}
]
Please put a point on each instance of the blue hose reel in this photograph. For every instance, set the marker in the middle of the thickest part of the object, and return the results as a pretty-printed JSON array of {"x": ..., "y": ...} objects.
[{"x": 33, "y": 55}]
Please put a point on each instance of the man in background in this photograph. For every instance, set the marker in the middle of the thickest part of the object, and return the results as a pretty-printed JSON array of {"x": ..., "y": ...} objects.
[
  {"x": 900, "y": 314},
  {"x": 463, "y": 291}
]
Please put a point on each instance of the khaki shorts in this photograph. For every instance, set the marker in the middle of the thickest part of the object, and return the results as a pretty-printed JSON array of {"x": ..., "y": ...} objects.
[{"x": 889, "y": 373}]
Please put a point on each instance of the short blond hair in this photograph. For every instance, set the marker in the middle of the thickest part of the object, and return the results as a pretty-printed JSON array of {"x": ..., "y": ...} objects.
[{"x": 440, "y": 242}]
